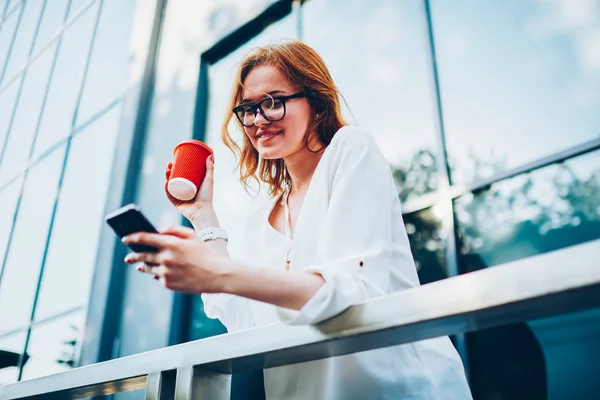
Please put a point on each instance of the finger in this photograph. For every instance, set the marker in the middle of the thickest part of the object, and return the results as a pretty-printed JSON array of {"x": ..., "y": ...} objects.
[
  {"x": 180, "y": 231},
  {"x": 146, "y": 258},
  {"x": 150, "y": 239},
  {"x": 168, "y": 170}
]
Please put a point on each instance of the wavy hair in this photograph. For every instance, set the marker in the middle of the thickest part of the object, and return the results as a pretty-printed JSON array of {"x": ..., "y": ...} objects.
[{"x": 305, "y": 68}]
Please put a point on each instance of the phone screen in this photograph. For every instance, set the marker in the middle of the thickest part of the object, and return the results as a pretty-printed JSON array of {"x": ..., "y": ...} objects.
[{"x": 129, "y": 219}]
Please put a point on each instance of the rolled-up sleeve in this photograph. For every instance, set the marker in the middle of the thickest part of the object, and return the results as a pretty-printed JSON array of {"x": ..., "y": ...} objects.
[
  {"x": 232, "y": 311},
  {"x": 357, "y": 245}
]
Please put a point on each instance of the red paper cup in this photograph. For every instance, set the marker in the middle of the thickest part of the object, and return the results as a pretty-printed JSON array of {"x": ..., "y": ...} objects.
[{"x": 189, "y": 168}]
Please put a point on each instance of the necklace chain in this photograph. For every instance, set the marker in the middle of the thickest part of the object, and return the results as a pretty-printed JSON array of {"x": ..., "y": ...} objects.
[{"x": 288, "y": 225}]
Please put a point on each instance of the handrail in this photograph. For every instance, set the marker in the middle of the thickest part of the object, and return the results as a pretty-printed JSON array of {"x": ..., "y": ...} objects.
[{"x": 537, "y": 287}]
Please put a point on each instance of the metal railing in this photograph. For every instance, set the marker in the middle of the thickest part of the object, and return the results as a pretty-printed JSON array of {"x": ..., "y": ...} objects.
[{"x": 542, "y": 286}]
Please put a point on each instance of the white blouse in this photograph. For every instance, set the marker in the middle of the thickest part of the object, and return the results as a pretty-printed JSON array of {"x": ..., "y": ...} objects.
[{"x": 350, "y": 230}]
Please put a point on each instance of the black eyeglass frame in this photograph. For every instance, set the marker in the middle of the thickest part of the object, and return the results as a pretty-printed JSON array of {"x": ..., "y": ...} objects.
[{"x": 257, "y": 106}]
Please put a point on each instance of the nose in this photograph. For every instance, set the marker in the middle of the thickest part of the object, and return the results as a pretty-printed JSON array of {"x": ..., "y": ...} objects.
[{"x": 259, "y": 119}]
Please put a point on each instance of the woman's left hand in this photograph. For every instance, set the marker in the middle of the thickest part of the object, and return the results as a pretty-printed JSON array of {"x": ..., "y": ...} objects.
[{"x": 183, "y": 262}]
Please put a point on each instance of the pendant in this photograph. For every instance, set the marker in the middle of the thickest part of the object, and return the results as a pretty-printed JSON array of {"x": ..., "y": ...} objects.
[{"x": 287, "y": 264}]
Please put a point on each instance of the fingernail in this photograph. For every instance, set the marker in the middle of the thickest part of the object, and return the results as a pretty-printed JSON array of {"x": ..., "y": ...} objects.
[
  {"x": 139, "y": 268},
  {"x": 155, "y": 277},
  {"x": 125, "y": 240}
]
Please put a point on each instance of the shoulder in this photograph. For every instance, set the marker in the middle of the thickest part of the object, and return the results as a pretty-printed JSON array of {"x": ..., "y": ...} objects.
[
  {"x": 353, "y": 138},
  {"x": 352, "y": 145}
]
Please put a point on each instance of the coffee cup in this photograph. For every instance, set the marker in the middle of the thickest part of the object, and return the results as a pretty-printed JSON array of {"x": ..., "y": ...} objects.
[{"x": 189, "y": 169}]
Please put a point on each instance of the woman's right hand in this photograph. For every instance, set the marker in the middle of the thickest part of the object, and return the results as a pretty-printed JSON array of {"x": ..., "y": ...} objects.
[{"x": 199, "y": 209}]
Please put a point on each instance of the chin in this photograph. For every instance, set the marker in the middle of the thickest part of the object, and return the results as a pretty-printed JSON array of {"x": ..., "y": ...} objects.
[{"x": 271, "y": 153}]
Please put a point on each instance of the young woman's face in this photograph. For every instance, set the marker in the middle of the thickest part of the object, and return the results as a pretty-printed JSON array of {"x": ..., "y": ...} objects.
[{"x": 276, "y": 139}]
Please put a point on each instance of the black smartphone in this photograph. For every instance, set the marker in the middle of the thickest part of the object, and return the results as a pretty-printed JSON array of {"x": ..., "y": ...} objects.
[{"x": 129, "y": 219}]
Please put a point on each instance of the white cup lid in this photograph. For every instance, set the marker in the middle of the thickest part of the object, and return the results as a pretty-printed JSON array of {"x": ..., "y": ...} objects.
[{"x": 182, "y": 189}]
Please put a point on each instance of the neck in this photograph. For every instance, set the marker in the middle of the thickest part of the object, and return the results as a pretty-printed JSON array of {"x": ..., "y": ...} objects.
[{"x": 301, "y": 167}]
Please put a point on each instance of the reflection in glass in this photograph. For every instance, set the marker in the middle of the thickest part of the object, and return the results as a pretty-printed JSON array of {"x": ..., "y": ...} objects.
[
  {"x": 54, "y": 14},
  {"x": 79, "y": 217},
  {"x": 21, "y": 272},
  {"x": 545, "y": 210},
  {"x": 427, "y": 244},
  {"x": 8, "y": 199},
  {"x": 54, "y": 346},
  {"x": 24, "y": 38},
  {"x": 110, "y": 57},
  {"x": 383, "y": 69},
  {"x": 11, "y": 347},
  {"x": 22, "y": 132},
  {"x": 66, "y": 82},
  {"x": 520, "y": 79}
]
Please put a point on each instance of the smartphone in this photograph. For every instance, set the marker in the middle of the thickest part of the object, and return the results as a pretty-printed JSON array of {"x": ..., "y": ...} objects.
[{"x": 129, "y": 219}]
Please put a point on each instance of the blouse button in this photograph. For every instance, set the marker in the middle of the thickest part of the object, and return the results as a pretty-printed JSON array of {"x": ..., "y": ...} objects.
[{"x": 360, "y": 263}]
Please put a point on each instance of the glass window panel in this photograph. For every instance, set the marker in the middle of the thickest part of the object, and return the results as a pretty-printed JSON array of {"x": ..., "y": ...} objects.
[
  {"x": 520, "y": 79},
  {"x": 54, "y": 346},
  {"x": 7, "y": 104},
  {"x": 52, "y": 20},
  {"x": 24, "y": 38},
  {"x": 66, "y": 82},
  {"x": 9, "y": 197},
  {"x": 22, "y": 132},
  {"x": 7, "y": 32},
  {"x": 72, "y": 250},
  {"x": 11, "y": 347},
  {"x": 110, "y": 58},
  {"x": 545, "y": 210},
  {"x": 76, "y": 7},
  {"x": 21, "y": 272},
  {"x": 383, "y": 69},
  {"x": 428, "y": 244}
]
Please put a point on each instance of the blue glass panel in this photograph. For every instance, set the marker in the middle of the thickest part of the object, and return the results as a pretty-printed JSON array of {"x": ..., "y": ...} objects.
[
  {"x": 427, "y": 244},
  {"x": 24, "y": 38},
  {"x": 382, "y": 67},
  {"x": 66, "y": 82},
  {"x": 520, "y": 79},
  {"x": 545, "y": 210},
  {"x": 52, "y": 20},
  {"x": 553, "y": 209},
  {"x": 110, "y": 58},
  {"x": 79, "y": 218},
  {"x": 7, "y": 32},
  {"x": 54, "y": 346},
  {"x": 22, "y": 132},
  {"x": 21, "y": 272}
]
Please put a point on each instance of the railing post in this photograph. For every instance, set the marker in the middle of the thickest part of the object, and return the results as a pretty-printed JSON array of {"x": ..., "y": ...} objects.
[
  {"x": 160, "y": 385},
  {"x": 194, "y": 384}
]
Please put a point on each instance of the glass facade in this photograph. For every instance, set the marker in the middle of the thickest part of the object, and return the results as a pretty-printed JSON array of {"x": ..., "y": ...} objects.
[
  {"x": 487, "y": 113},
  {"x": 62, "y": 72}
]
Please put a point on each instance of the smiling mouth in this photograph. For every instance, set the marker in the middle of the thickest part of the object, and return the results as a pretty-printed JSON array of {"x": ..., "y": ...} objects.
[{"x": 268, "y": 135}]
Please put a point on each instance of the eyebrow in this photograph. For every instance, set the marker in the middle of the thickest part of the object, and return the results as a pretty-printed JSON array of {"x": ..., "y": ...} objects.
[{"x": 271, "y": 93}]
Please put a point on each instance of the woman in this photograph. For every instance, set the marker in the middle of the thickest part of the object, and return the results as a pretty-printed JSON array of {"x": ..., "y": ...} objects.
[{"x": 331, "y": 237}]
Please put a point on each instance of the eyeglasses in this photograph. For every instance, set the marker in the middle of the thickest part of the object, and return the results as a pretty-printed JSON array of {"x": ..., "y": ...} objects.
[{"x": 273, "y": 109}]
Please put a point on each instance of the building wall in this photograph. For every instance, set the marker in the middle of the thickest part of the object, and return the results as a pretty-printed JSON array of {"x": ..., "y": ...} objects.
[
  {"x": 63, "y": 66},
  {"x": 486, "y": 112}
]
